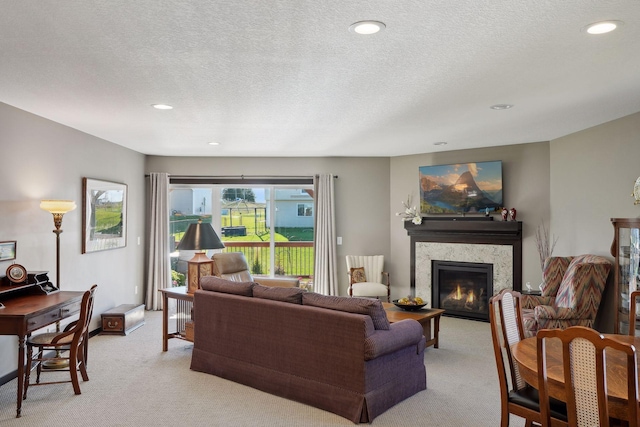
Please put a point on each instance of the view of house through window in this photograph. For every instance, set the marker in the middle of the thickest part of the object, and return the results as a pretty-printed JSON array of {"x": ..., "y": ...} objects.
[{"x": 272, "y": 225}]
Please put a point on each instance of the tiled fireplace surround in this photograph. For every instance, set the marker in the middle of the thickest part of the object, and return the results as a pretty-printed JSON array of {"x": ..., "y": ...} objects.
[{"x": 476, "y": 239}]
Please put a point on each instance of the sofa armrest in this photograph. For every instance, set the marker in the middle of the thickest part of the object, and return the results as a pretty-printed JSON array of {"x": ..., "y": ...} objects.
[
  {"x": 400, "y": 334},
  {"x": 532, "y": 301},
  {"x": 282, "y": 282}
]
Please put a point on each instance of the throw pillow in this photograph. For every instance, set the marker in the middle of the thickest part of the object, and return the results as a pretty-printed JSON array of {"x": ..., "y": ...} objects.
[
  {"x": 358, "y": 275},
  {"x": 214, "y": 283},
  {"x": 290, "y": 295},
  {"x": 371, "y": 307}
]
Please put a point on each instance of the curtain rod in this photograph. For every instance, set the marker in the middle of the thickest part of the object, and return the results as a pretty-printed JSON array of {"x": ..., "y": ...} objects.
[{"x": 242, "y": 176}]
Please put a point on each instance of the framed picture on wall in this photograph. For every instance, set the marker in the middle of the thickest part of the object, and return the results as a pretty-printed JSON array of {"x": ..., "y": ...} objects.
[
  {"x": 8, "y": 250},
  {"x": 104, "y": 215}
]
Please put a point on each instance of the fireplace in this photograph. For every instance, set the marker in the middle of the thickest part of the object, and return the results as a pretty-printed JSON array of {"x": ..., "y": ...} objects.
[
  {"x": 475, "y": 240},
  {"x": 462, "y": 289}
]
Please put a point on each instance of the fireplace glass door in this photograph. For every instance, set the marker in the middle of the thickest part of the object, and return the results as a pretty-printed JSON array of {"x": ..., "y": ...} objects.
[{"x": 462, "y": 289}]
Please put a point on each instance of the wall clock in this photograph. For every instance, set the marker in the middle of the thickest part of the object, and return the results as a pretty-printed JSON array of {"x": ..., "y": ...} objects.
[{"x": 16, "y": 273}]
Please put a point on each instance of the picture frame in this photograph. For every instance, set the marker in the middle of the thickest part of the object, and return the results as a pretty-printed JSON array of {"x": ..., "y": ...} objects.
[
  {"x": 104, "y": 215},
  {"x": 8, "y": 250}
]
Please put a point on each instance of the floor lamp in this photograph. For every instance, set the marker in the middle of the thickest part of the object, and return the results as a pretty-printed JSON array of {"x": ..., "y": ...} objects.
[
  {"x": 58, "y": 208},
  {"x": 199, "y": 237}
]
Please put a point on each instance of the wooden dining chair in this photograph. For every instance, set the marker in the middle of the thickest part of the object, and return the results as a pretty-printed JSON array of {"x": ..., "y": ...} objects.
[
  {"x": 516, "y": 396},
  {"x": 633, "y": 300},
  {"x": 70, "y": 346},
  {"x": 585, "y": 376}
]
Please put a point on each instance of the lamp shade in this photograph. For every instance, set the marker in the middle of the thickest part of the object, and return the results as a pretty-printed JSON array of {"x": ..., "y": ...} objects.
[
  {"x": 200, "y": 237},
  {"x": 58, "y": 206}
]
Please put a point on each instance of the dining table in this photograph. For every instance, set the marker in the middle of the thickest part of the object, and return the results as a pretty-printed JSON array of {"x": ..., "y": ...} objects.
[{"x": 524, "y": 353}]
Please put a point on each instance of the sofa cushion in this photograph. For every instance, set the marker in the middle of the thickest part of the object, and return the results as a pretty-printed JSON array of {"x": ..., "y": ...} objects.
[
  {"x": 291, "y": 295},
  {"x": 371, "y": 307},
  {"x": 213, "y": 283}
]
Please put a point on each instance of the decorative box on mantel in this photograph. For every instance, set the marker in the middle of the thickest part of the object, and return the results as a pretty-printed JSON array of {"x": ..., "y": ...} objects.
[{"x": 461, "y": 239}]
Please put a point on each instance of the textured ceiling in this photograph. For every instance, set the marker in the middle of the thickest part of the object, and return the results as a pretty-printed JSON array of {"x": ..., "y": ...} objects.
[{"x": 287, "y": 78}]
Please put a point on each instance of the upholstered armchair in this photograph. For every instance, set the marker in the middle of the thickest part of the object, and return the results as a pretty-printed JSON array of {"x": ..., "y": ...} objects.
[
  {"x": 571, "y": 293},
  {"x": 233, "y": 266},
  {"x": 367, "y": 277}
]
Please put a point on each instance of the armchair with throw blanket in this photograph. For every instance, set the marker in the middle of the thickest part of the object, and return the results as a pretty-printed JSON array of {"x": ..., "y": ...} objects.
[{"x": 571, "y": 292}]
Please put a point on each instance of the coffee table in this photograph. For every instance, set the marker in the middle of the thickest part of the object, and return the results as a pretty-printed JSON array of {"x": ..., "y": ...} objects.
[{"x": 424, "y": 316}]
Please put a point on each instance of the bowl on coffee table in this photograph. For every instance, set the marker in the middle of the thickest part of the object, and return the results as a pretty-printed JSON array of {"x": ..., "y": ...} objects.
[{"x": 410, "y": 306}]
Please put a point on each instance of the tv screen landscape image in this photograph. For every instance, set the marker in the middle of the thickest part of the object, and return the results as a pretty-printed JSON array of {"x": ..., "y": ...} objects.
[{"x": 461, "y": 188}]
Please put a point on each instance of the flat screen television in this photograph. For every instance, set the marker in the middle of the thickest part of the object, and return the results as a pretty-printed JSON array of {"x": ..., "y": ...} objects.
[{"x": 461, "y": 188}]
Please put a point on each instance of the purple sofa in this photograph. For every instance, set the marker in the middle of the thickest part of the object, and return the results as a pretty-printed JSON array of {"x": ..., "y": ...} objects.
[{"x": 338, "y": 354}]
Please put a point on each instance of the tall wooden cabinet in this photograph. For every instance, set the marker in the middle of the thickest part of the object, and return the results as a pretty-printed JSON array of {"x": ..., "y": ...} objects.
[{"x": 626, "y": 251}]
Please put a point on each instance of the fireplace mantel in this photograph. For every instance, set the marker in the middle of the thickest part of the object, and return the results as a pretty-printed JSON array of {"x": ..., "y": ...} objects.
[
  {"x": 473, "y": 230},
  {"x": 465, "y": 230}
]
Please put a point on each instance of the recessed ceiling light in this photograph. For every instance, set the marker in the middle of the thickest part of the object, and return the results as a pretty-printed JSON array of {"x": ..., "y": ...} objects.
[
  {"x": 367, "y": 27},
  {"x": 162, "y": 106},
  {"x": 440, "y": 143},
  {"x": 602, "y": 27},
  {"x": 501, "y": 106},
  {"x": 214, "y": 143}
]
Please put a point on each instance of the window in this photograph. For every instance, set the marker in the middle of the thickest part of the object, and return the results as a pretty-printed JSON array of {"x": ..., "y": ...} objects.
[
  {"x": 268, "y": 223},
  {"x": 305, "y": 209}
]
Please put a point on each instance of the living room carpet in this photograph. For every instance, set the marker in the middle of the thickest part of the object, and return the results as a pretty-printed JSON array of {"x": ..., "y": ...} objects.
[{"x": 133, "y": 383}]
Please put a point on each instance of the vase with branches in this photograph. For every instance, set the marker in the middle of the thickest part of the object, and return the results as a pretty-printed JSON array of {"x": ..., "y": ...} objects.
[{"x": 544, "y": 243}]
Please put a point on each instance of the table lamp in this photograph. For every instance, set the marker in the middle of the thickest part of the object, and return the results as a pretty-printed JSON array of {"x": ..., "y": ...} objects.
[{"x": 199, "y": 237}]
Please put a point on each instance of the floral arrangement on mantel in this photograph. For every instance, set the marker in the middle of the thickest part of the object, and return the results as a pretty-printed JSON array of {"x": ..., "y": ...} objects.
[{"x": 410, "y": 213}]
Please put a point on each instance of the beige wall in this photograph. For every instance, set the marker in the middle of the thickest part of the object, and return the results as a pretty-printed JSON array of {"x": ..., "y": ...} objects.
[
  {"x": 592, "y": 175},
  {"x": 525, "y": 175},
  {"x": 45, "y": 160},
  {"x": 575, "y": 183},
  {"x": 362, "y": 193}
]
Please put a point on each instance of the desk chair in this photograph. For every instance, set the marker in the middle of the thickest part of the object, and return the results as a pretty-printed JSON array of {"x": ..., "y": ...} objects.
[
  {"x": 506, "y": 330},
  {"x": 585, "y": 376},
  {"x": 72, "y": 341}
]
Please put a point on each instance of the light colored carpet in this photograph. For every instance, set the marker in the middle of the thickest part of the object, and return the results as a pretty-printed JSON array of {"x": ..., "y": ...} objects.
[{"x": 133, "y": 383}]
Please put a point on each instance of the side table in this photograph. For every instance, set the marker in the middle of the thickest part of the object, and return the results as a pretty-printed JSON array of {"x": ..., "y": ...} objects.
[
  {"x": 183, "y": 315},
  {"x": 424, "y": 316}
]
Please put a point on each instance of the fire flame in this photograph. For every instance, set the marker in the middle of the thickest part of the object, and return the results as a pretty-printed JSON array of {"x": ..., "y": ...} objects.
[{"x": 470, "y": 297}]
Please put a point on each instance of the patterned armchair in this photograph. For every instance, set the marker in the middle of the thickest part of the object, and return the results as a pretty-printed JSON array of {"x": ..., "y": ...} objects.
[{"x": 571, "y": 292}]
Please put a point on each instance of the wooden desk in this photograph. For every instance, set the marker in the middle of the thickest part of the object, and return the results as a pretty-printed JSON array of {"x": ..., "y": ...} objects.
[
  {"x": 424, "y": 316},
  {"x": 524, "y": 354},
  {"x": 24, "y": 314},
  {"x": 185, "y": 304}
]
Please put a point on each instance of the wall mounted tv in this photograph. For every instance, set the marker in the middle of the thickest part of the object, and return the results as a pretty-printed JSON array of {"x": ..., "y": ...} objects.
[{"x": 461, "y": 188}]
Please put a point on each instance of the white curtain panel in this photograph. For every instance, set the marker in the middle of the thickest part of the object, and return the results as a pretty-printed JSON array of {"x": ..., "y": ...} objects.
[
  {"x": 159, "y": 264},
  {"x": 325, "y": 278}
]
